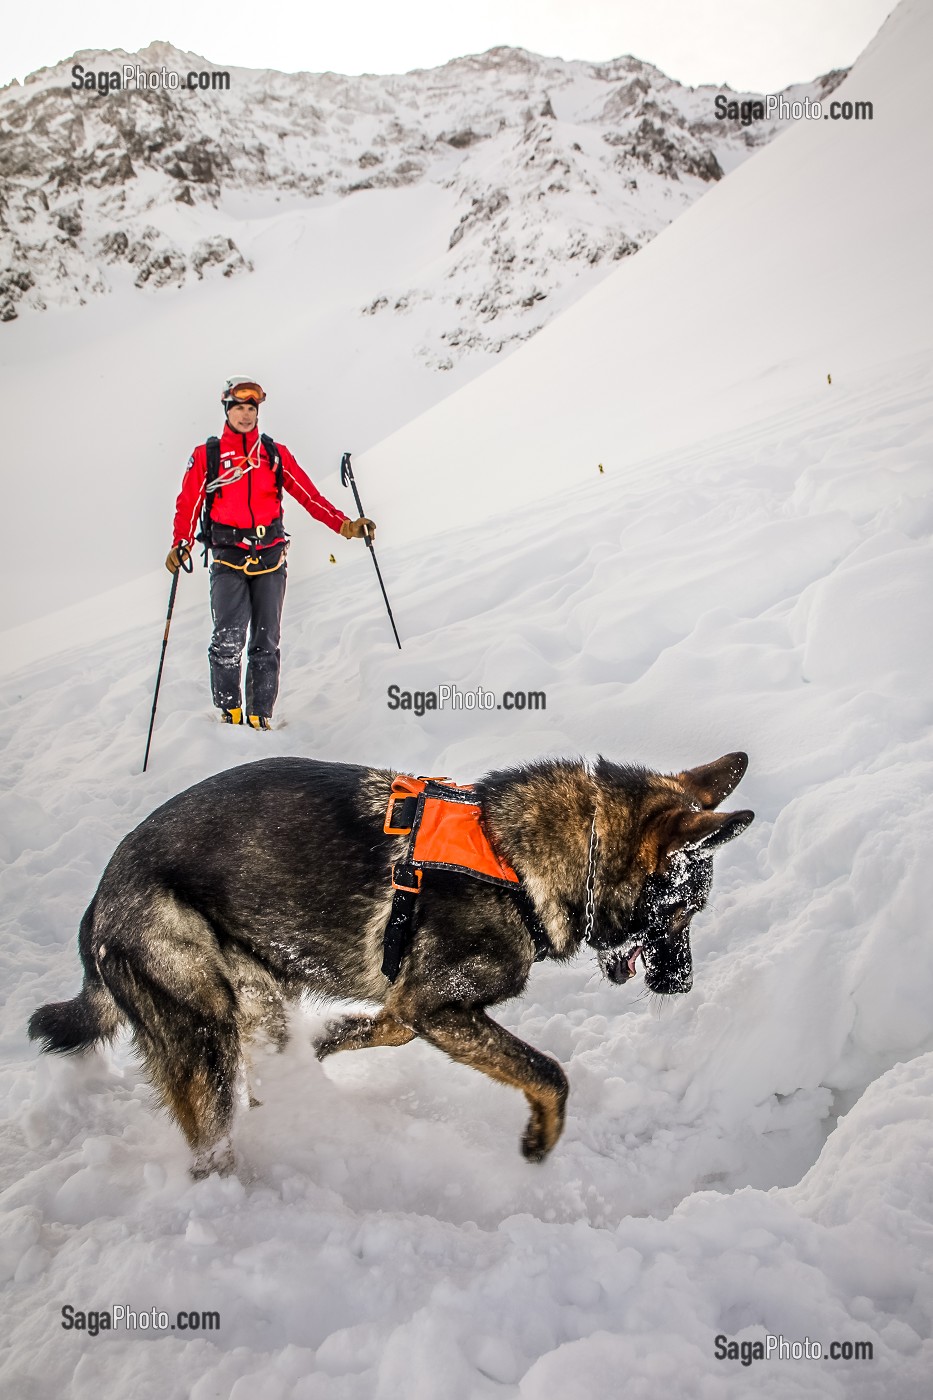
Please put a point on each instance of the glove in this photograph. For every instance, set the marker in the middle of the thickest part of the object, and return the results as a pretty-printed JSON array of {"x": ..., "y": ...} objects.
[
  {"x": 177, "y": 557},
  {"x": 358, "y": 529}
]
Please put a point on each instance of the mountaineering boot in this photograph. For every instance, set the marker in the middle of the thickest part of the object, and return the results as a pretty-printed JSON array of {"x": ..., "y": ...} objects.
[
  {"x": 231, "y": 716},
  {"x": 259, "y": 721}
]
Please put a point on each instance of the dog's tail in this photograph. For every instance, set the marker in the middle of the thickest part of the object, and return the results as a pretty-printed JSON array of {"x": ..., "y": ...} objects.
[{"x": 69, "y": 1026}]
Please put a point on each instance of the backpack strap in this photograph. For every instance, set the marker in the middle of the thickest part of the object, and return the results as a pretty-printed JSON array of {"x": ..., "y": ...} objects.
[
  {"x": 212, "y": 448},
  {"x": 213, "y": 458},
  {"x": 275, "y": 461}
]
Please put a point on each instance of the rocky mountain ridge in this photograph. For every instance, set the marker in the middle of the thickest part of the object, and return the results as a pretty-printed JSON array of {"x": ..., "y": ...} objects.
[{"x": 555, "y": 170}]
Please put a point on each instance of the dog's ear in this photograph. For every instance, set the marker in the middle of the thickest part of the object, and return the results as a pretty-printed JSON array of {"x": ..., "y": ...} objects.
[
  {"x": 710, "y": 783},
  {"x": 707, "y": 829}
]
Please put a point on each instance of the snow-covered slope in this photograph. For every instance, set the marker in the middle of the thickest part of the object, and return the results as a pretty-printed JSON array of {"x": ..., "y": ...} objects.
[
  {"x": 751, "y": 1160},
  {"x": 810, "y": 261},
  {"x": 385, "y": 1231}
]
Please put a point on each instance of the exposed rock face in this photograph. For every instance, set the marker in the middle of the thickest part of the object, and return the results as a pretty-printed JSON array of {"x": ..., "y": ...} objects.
[
  {"x": 217, "y": 254},
  {"x": 559, "y": 169}
]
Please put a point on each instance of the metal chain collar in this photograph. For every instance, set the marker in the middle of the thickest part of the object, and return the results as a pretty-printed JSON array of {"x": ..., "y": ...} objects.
[{"x": 590, "y": 915}]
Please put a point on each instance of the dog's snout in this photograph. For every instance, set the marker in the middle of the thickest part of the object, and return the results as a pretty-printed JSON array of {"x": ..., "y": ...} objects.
[
  {"x": 618, "y": 971},
  {"x": 619, "y": 966}
]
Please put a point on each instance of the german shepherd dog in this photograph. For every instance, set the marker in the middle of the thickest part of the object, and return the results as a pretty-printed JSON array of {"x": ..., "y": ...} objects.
[{"x": 272, "y": 880}]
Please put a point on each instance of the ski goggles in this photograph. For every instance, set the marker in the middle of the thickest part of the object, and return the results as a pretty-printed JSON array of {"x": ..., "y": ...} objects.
[{"x": 244, "y": 392}]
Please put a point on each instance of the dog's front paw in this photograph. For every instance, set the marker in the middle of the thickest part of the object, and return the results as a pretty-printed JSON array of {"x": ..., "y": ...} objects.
[
  {"x": 533, "y": 1149},
  {"x": 535, "y": 1139},
  {"x": 345, "y": 1033},
  {"x": 544, "y": 1127},
  {"x": 331, "y": 1039}
]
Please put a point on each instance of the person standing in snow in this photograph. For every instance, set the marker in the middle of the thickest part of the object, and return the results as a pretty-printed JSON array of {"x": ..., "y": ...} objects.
[{"x": 243, "y": 476}]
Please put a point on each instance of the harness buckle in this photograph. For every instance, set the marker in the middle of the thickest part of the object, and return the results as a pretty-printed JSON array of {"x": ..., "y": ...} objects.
[
  {"x": 388, "y": 825},
  {"x": 406, "y": 872}
]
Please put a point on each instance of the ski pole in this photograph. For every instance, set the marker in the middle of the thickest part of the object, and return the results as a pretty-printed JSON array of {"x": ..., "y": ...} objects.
[
  {"x": 348, "y": 479},
  {"x": 187, "y": 565}
]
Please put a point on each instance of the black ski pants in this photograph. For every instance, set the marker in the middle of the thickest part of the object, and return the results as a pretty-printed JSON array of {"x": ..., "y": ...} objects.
[{"x": 242, "y": 608}]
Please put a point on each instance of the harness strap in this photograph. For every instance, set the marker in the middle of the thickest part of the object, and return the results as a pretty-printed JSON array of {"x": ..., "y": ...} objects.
[
  {"x": 398, "y": 932},
  {"x": 532, "y": 921},
  {"x": 244, "y": 568}
]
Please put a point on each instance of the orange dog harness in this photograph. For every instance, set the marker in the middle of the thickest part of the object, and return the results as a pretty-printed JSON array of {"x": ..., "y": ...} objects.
[{"x": 444, "y": 825}]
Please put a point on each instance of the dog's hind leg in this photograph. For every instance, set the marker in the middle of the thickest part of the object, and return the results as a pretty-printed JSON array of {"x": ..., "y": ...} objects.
[
  {"x": 197, "y": 1083},
  {"x": 361, "y": 1033},
  {"x": 260, "y": 1013},
  {"x": 170, "y": 978},
  {"x": 468, "y": 1035}
]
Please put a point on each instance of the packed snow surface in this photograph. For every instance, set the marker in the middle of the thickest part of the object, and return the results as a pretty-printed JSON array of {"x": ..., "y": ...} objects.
[
  {"x": 384, "y": 1230},
  {"x": 752, "y": 1159}
]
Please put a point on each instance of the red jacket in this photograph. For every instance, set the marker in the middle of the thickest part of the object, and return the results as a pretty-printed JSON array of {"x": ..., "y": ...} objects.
[{"x": 251, "y": 499}]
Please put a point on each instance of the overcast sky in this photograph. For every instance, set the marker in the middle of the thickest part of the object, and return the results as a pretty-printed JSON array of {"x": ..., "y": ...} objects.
[{"x": 759, "y": 45}]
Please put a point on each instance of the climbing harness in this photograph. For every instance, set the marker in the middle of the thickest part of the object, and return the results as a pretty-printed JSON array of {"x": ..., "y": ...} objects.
[{"x": 249, "y": 566}]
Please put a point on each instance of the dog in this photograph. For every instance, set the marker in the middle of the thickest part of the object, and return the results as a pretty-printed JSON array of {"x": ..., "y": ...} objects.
[{"x": 271, "y": 880}]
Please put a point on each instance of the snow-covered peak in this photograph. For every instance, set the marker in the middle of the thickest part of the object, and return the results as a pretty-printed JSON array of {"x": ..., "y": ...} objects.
[{"x": 556, "y": 170}]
